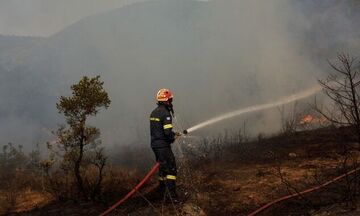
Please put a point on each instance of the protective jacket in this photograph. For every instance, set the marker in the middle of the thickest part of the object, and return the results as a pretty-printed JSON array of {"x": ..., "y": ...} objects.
[{"x": 161, "y": 127}]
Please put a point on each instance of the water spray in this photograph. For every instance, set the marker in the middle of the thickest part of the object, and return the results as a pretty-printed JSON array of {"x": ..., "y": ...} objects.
[
  {"x": 214, "y": 120},
  {"x": 285, "y": 100}
]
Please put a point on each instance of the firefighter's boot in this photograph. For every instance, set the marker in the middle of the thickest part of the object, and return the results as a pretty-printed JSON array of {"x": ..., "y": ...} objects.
[
  {"x": 160, "y": 189},
  {"x": 171, "y": 195}
]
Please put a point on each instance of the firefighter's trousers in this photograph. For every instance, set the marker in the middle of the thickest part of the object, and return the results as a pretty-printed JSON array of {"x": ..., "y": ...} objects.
[{"x": 167, "y": 170}]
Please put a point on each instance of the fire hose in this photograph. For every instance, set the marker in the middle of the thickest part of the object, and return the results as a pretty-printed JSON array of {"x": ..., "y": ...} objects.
[
  {"x": 136, "y": 188},
  {"x": 268, "y": 205},
  {"x": 259, "y": 210}
]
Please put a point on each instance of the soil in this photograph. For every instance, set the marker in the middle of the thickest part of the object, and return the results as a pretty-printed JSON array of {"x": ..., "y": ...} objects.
[{"x": 240, "y": 179}]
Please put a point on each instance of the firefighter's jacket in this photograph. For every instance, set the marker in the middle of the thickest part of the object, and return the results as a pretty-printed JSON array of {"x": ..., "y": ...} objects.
[{"x": 161, "y": 127}]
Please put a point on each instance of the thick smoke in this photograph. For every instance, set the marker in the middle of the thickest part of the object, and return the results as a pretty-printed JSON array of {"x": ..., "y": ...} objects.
[
  {"x": 216, "y": 56},
  {"x": 45, "y": 17}
]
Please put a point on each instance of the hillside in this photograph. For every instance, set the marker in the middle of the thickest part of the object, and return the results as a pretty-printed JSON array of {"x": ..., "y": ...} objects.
[
  {"x": 226, "y": 176},
  {"x": 185, "y": 45},
  {"x": 12, "y": 46},
  {"x": 249, "y": 84}
]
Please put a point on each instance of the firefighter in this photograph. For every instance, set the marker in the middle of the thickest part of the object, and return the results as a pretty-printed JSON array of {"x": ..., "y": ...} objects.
[{"x": 162, "y": 136}]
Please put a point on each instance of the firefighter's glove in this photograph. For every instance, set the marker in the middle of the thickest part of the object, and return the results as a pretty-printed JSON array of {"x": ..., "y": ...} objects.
[{"x": 177, "y": 135}]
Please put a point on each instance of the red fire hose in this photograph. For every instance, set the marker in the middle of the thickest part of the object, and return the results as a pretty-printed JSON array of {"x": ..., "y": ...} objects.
[
  {"x": 137, "y": 187},
  {"x": 264, "y": 207},
  {"x": 261, "y": 209}
]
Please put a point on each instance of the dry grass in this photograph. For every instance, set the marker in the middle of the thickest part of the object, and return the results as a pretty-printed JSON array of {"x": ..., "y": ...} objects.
[
  {"x": 234, "y": 188},
  {"x": 245, "y": 176},
  {"x": 23, "y": 200},
  {"x": 233, "y": 181},
  {"x": 32, "y": 199}
]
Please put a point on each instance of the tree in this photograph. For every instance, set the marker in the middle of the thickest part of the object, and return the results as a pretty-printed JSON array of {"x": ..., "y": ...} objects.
[
  {"x": 80, "y": 142},
  {"x": 342, "y": 87}
]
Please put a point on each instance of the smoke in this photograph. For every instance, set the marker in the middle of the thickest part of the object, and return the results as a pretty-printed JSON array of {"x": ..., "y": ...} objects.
[
  {"x": 46, "y": 17},
  {"x": 255, "y": 108},
  {"x": 216, "y": 56}
]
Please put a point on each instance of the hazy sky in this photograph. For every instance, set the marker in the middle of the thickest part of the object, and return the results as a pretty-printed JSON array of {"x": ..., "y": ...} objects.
[
  {"x": 226, "y": 54},
  {"x": 46, "y": 17}
]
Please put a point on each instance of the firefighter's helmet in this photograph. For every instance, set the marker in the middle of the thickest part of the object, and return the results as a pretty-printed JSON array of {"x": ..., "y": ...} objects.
[{"x": 164, "y": 95}]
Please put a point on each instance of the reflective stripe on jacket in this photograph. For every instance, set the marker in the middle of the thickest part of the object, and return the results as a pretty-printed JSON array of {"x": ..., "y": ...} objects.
[{"x": 161, "y": 127}]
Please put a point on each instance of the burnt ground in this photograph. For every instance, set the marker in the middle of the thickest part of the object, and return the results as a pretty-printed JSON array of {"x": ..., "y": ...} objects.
[{"x": 234, "y": 177}]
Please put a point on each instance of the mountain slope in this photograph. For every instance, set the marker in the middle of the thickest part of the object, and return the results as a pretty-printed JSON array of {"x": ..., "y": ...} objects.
[{"x": 216, "y": 56}]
